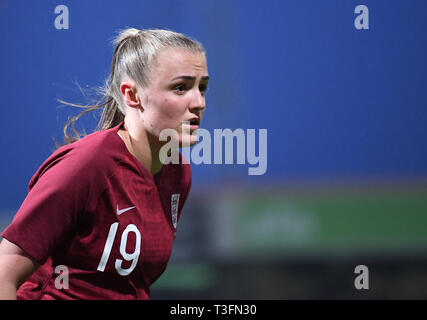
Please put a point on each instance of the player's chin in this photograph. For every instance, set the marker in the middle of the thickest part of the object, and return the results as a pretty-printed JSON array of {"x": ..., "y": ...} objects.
[{"x": 189, "y": 140}]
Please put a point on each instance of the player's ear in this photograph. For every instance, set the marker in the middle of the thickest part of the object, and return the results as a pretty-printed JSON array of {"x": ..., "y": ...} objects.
[{"x": 130, "y": 95}]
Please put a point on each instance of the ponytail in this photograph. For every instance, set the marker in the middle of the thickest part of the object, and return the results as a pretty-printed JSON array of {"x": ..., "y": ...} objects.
[{"x": 111, "y": 115}]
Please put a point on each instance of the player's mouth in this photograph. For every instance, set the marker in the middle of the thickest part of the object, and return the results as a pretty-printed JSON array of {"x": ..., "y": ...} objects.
[{"x": 194, "y": 123}]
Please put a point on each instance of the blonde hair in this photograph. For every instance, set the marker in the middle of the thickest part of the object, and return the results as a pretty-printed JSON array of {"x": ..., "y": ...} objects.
[{"x": 134, "y": 54}]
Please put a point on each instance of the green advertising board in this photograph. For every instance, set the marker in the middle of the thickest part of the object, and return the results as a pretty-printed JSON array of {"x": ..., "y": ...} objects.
[{"x": 336, "y": 222}]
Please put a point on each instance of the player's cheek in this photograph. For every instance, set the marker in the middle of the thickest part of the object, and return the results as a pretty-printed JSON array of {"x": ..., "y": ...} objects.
[{"x": 174, "y": 117}]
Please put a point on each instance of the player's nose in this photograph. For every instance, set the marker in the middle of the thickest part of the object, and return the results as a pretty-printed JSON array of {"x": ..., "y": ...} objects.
[{"x": 198, "y": 101}]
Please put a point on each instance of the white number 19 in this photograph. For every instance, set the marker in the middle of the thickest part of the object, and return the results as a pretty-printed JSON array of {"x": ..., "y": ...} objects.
[{"x": 133, "y": 256}]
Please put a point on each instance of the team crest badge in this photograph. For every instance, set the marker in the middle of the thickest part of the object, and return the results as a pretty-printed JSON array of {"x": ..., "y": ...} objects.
[{"x": 174, "y": 208}]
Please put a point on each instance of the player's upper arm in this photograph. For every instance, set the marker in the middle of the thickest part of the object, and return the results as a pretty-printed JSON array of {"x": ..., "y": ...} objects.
[{"x": 15, "y": 268}]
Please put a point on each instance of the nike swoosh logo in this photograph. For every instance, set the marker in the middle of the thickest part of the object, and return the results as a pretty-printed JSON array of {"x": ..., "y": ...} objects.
[{"x": 120, "y": 211}]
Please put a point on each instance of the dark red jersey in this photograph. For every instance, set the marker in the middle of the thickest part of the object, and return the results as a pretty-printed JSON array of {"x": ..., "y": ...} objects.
[{"x": 96, "y": 215}]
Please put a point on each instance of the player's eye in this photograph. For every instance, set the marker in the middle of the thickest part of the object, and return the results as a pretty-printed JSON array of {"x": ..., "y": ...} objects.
[
  {"x": 203, "y": 88},
  {"x": 181, "y": 88}
]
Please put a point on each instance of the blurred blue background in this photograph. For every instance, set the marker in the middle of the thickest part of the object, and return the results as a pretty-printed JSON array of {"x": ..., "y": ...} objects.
[{"x": 345, "y": 111}]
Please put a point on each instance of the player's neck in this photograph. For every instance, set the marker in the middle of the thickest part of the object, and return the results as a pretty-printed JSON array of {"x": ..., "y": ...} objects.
[{"x": 143, "y": 147}]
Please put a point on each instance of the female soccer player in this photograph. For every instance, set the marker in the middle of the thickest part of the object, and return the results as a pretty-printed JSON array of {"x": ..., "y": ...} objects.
[{"x": 102, "y": 210}]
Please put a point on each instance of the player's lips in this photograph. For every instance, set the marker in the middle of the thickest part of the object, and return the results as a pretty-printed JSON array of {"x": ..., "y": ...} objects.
[{"x": 194, "y": 123}]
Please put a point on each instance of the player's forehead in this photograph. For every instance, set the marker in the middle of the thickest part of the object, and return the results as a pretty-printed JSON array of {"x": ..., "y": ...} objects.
[{"x": 173, "y": 62}]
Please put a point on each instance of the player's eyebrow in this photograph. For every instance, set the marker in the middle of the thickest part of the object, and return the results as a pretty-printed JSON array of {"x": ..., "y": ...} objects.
[{"x": 206, "y": 78}]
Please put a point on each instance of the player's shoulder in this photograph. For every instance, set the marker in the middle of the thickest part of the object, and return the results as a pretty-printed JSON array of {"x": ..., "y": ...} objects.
[
  {"x": 101, "y": 148},
  {"x": 92, "y": 156},
  {"x": 98, "y": 150}
]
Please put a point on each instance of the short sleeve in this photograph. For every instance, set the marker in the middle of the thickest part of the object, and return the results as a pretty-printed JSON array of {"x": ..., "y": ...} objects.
[{"x": 49, "y": 215}]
